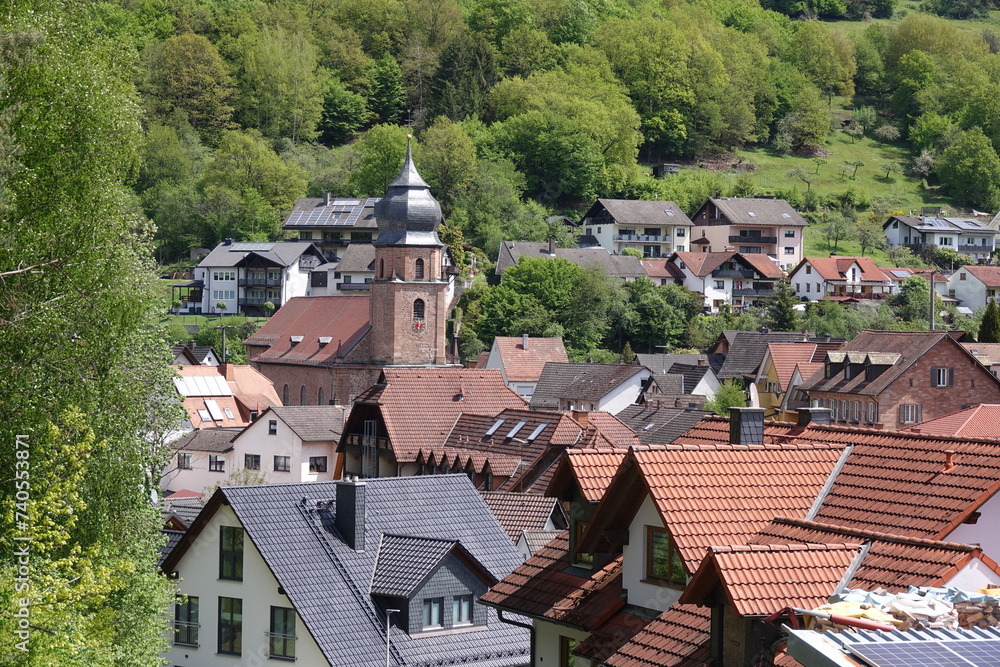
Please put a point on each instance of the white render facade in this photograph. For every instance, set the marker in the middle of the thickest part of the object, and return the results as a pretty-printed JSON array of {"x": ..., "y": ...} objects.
[
  {"x": 615, "y": 400},
  {"x": 967, "y": 236}
]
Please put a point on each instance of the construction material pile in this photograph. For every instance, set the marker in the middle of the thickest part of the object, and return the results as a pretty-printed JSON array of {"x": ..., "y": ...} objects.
[{"x": 916, "y": 609}]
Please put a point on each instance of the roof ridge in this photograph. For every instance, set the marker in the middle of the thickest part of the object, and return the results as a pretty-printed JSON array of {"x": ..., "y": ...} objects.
[
  {"x": 876, "y": 535},
  {"x": 785, "y": 548}
]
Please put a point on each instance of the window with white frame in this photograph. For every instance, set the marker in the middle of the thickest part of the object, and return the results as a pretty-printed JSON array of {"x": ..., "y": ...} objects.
[
  {"x": 942, "y": 377},
  {"x": 872, "y": 413},
  {"x": 771, "y": 387},
  {"x": 432, "y": 613},
  {"x": 789, "y": 250},
  {"x": 789, "y": 233},
  {"x": 910, "y": 413},
  {"x": 461, "y": 610}
]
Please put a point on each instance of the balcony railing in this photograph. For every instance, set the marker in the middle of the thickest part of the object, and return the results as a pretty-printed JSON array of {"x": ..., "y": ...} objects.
[
  {"x": 280, "y": 645},
  {"x": 762, "y": 293},
  {"x": 354, "y": 439},
  {"x": 260, "y": 282},
  {"x": 972, "y": 247},
  {"x": 260, "y": 301},
  {"x": 754, "y": 239},
  {"x": 353, "y": 287},
  {"x": 642, "y": 237},
  {"x": 186, "y": 634},
  {"x": 732, "y": 273}
]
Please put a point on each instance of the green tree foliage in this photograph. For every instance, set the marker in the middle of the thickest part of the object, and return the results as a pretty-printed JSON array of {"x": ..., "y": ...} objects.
[
  {"x": 781, "y": 314},
  {"x": 187, "y": 72},
  {"x": 344, "y": 113},
  {"x": 656, "y": 315},
  {"x": 447, "y": 161},
  {"x": 826, "y": 57},
  {"x": 730, "y": 394},
  {"x": 989, "y": 330},
  {"x": 970, "y": 169},
  {"x": 869, "y": 231},
  {"x": 912, "y": 302},
  {"x": 467, "y": 72},
  {"x": 386, "y": 95},
  {"x": 85, "y": 375},
  {"x": 382, "y": 152},
  {"x": 808, "y": 121}
]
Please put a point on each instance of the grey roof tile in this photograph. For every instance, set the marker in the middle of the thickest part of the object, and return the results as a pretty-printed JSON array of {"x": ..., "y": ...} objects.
[
  {"x": 588, "y": 382},
  {"x": 619, "y": 266},
  {"x": 314, "y": 423},
  {"x": 404, "y": 562},
  {"x": 747, "y": 349},
  {"x": 660, "y": 425},
  {"x": 206, "y": 440}
]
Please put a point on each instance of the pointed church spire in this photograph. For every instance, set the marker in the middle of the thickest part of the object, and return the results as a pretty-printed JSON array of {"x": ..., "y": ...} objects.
[{"x": 408, "y": 214}]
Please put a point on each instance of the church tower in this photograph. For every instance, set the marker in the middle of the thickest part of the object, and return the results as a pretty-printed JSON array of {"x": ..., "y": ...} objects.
[{"x": 408, "y": 299}]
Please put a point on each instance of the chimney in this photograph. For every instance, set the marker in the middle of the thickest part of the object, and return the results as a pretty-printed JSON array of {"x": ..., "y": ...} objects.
[
  {"x": 227, "y": 370},
  {"x": 746, "y": 426},
  {"x": 702, "y": 362},
  {"x": 580, "y": 416},
  {"x": 819, "y": 416},
  {"x": 524, "y": 341},
  {"x": 326, "y": 199},
  {"x": 949, "y": 459},
  {"x": 227, "y": 242},
  {"x": 552, "y": 245},
  {"x": 350, "y": 518}
]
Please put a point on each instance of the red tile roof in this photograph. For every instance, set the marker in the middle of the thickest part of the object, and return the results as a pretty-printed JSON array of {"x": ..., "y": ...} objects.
[
  {"x": 715, "y": 494},
  {"x": 763, "y": 264},
  {"x": 589, "y": 472},
  {"x": 893, "y": 562},
  {"x": 702, "y": 263},
  {"x": 988, "y": 275},
  {"x": 979, "y": 422},
  {"x": 676, "y": 638},
  {"x": 613, "y": 429},
  {"x": 786, "y": 356},
  {"x": 606, "y": 640},
  {"x": 543, "y": 588},
  {"x": 343, "y": 319},
  {"x": 520, "y": 365},
  {"x": 661, "y": 268},
  {"x": 838, "y": 267},
  {"x": 759, "y": 580},
  {"x": 420, "y": 405},
  {"x": 985, "y": 353},
  {"x": 251, "y": 391},
  {"x": 521, "y": 511}
]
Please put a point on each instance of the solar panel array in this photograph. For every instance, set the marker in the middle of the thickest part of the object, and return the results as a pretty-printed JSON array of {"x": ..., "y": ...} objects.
[
  {"x": 947, "y": 653},
  {"x": 251, "y": 247},
  {"x": 339, "y": 213},
  {"x": 203, "y": 385},
  {"x": 972, "y": 225}
]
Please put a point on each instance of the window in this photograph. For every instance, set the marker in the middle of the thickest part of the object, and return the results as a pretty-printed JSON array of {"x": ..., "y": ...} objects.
[
  {"x": 272, "y": 424},
  {"x": 231, "y": 553},
  {"x": 680, "y": 248},
  {"x": 681, "y": 232},
  {"x": 961, "y": 276},
  {"x": 566, "y": 657},
  {"x": 231, "y": 626},
  {"x": 809, "y": 269},
  {"x": 281, "y": 639},
  {"x": 942, "y": 377},
  {"x": 663, "y": 561},
  {"x": 580, "y": 559},
  {"x": 284, "y": 395},
  {"x": 251, "y": 461},
  {"x": 808, "y": 285},
  {"x": 910, "y": 413},
  {"x": 432, "y": 613},
  {"x": 305, "y": 236},
  {"x": 872, "y": 414},
  {"x": 185, "y": 461},
  {"x": 186, "y": 622},
  {"x": 719, "y": 284},
  {"x": 418, "y": 309},
  {"x": 216, "y": 463},
  {"x": 749, "y": 250},
  {"x": 895, "y": 224},
  {"x": 317, "y": 464},
  {"x": 302, "y": 396},
  {"x": 418, "y": 269},
  {"x": 771, "y": 387},
  {"x": 789, "y": 250},
  {"x": 789, "y": 233},
  {"x": 282, "y": 464},
  {"x": 857, "y": 411},
  {"x": 461, "y": 610}
]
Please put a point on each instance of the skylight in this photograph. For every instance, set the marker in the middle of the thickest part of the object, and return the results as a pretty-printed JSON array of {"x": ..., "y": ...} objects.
[
  {"x": 538, "y": 430},
  {"x": 786, "y": 215},
  {"x": 516, "y": 428},
  {"x": 751, "y": 214},
  {"x": 496, "y": 425}
]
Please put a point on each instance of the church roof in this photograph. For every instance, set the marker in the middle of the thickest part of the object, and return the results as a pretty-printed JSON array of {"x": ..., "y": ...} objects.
[{"x": 408, "y": 214}]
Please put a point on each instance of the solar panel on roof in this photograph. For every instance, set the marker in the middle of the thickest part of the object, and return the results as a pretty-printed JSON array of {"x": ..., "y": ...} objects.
[
  {"x": 251, "y": 247},
  {"x": 901, "y": 274},
  {"x": 980, "y": 652},
  {"x": 214, "y": 410},
  {"x": 945, "y": 653}
]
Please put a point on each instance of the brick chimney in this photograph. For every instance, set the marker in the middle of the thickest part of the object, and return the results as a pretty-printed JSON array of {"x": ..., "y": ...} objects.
[
  {"x": 820, "y": 416},
  {"x": 746, "y": 426},
  {"x": 227, "y": 371},
  {"x": 580, "y": 417},
  {"x": 350, "y": 518}
]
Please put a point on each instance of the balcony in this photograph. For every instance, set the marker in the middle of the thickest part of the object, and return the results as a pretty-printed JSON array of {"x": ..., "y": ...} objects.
[
  {"x": 971, "y": 247},
  {"x": 186, "y": 633},
  {"x": 642, "y": 238},
  {"x": 260, "y": 300},
  {"x": 758, "y": 293},
  {"x": 751, "y": 240},
  {"x": 260, "y": 282},
  {"x": 732, "y": 273},
  {"x": 353, "y": 287}
]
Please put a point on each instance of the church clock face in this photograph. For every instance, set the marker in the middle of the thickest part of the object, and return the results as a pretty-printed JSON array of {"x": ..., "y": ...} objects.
[{"x": 418, "y": 326}]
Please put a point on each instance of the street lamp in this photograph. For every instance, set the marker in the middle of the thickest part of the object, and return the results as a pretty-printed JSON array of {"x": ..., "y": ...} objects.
[{"x": 388, "y": 615}]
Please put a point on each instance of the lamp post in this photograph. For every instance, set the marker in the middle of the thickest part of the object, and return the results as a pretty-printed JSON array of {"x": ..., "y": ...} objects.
[{"x": 388, "y": 615}]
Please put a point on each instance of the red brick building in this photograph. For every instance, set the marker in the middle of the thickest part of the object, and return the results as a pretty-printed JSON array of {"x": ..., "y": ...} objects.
[{"x": 894, "y": 379}]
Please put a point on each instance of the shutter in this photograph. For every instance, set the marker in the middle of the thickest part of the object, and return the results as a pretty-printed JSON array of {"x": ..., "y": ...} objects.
[
  {"x": 934, "y": 377},
  {"x": 951, "y": 377},
  {"x": 920, "y": 414},
  {"x": 902, "y": 414}
]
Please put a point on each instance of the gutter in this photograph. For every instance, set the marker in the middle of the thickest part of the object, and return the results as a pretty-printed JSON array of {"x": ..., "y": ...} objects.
[{"x": 529, "y": 627}]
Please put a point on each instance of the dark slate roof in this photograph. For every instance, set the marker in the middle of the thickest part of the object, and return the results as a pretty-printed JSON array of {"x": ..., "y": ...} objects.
[
  {"x": 692, "y": 374},
  {"x": 518, "y": 512},
  {"x": 618, "y": 266},
  {"x": 357, "y": 258},
  {"x": 185, "y": 509},
  {"x": 638, "y": 212},
  {"x": 660, "y": 425},
  {"x": 313, "y": 423},
  {"x": 404, "y": 562},
  {"x": 588, "y": 382},
  {"x": 283, "y": 253},
  {"x": 766, "y": 211},
  {"x": 669, "y": 384},
  {"x": 173, "y": 539},
  {"x": 206, "y": 440},
  {"x": 328, "y": 582},
  {"x": 338, "y": 214},
  {"x": 661, "y": 363},
  {"x": 202, "y": 351},
  {"x": 747, "y": 349}
]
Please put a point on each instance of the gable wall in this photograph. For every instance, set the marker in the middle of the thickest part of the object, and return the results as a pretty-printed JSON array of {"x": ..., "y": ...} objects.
[
  {"x": 647, "y": 595},
  {"x": 624, "y": 395},
  {"x": 199, "y": 571},
  {"x": 973, "y": 576},
  {"x": 984, "y": 532},
  {"x": 451, "y": 578}
]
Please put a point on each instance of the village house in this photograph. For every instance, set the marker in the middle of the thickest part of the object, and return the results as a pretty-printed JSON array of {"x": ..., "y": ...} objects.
[
  {"x": 894, "y": 379},
  {"x": 245, "y": 276},
  {"x": 332, "y": 224},
  {"x": 527, "y": 518},
  {"x": 768, "y": 227},
  {"x": 975, "y": 286},
  {"x": 521, "y": 360},
  {"x": 623, "y": 267},
  {"x": 588, "y": 387},
  {"x": 967, "y": 236},
  {"x": 656, "y": 228},
  {"x": 343, "y": 573},
  {"x": 840, "y": 276},
  {"x": 727, "y": 279},
  {"x": 223, "y": 396},
  {"x": 194, "y": 355},
  {"x": 781, "y": 372}
]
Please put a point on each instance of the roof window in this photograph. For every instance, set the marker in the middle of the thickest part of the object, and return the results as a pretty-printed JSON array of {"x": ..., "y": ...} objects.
[
  {"x": 517, "y": 427},
  {"x": 496, "y": 425},
  {"x": 538, "y": 431}
]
